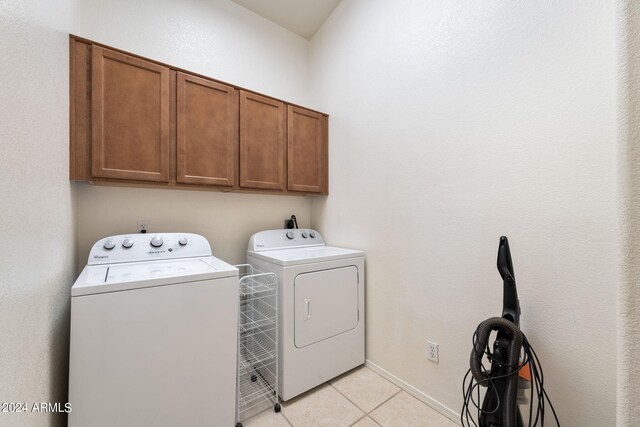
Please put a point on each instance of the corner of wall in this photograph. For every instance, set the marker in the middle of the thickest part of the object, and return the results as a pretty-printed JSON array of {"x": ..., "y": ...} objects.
[{"x": 628, "y": 294}]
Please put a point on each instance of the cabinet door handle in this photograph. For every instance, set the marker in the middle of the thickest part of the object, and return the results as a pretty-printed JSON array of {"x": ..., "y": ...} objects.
[{"x": 307, "y": 314}]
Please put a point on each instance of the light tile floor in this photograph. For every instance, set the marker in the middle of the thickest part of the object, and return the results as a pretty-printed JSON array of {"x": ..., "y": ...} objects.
[{"x": 359, "y": 398}]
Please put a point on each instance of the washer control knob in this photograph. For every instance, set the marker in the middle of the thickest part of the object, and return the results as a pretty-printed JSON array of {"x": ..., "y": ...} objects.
[
  {"x": 183, "y": 241},
  {"x": 109, "y": 244},
  {"x": 312, "y": 234},
  {"x": 290, "y": 235},
  {"x": 156, "y": 241},
  {"x": 304, "y": 234},
  {"x": 127, "y": 243}
]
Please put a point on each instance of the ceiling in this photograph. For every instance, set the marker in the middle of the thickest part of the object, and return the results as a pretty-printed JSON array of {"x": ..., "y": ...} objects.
[{"x": 302, "y": 17}]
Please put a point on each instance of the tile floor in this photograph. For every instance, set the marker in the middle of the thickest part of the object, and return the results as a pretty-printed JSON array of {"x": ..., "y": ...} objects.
[{"x": 359, "y": 398}]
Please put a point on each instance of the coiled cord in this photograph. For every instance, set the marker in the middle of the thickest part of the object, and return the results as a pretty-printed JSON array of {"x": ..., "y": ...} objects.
[{"x": 471, "y": 417}]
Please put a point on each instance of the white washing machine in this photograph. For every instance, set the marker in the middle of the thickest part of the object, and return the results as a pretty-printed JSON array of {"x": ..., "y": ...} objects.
[
  {"x": 153, "y": 334},
  {"x": 321, "y": 317}
]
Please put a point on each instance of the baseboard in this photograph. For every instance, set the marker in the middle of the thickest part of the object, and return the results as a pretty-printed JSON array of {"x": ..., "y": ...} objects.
[{"x": 452, "y": 415}]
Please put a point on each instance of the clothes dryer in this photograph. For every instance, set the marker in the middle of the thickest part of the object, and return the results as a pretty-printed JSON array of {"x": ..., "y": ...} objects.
[{"x": 321, "y": 316}]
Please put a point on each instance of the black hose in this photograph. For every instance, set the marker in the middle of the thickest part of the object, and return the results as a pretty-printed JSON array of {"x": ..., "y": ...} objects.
[{"x": 510, "y": 413}]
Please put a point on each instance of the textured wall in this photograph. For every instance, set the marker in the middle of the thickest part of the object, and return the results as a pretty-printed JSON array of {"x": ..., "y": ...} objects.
[
  {"x": 453, "y": 122},
  {"x": 219, "y": 39},
  {"x": 227, "y": 220},
  {"x": 36, "y": 206},
  {"x": 628, "y": 403}
]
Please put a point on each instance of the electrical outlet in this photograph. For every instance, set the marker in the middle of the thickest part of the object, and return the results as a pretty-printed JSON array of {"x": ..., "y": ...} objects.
[
  {"x": 143, "y": 226},
  {"x": 432, "y": 351}
]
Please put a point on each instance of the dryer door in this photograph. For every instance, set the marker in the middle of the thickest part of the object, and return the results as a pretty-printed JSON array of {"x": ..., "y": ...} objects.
[{"x": 326, "y": 304}]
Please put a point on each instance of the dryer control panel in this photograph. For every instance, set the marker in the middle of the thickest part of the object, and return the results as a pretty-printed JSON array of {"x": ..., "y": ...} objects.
[
  {"x": 148, "y": 247},
  {"x": 284, "y": 238}
]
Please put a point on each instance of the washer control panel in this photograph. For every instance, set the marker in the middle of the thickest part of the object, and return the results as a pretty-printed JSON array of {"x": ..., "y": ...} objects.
[
  {"x": 281, "y": 239},
  {"x": 148, "y": 247}
]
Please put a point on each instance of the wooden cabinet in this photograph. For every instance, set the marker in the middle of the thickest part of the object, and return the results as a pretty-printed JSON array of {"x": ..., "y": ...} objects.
[
  {"x": 306, "y": 150},
  {"x": 262, "y": 137},
  {"x": 138, "y": 122},
  {"x": 207, "y": 131},
  {"x": 130, "y": 117}
]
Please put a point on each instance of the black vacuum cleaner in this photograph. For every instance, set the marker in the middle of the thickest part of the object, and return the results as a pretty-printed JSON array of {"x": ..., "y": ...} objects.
[{"x": 499, "y": 407}]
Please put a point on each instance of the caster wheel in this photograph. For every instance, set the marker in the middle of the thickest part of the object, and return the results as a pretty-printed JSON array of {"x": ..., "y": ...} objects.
[
  {"x": 254, "y": 378},
  {"x": 238, "y": 424},
  {"x": 277, "y": 408}
]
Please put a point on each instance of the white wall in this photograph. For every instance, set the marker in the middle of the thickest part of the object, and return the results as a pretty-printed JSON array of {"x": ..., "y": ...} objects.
[
  {"x": 227, "y": 220},
  {"x": 37, "y": 254},
  {"x": 219, "y": 39},
  {"x": 453, "y": 123},
  {"x": 628, "y": 403}
]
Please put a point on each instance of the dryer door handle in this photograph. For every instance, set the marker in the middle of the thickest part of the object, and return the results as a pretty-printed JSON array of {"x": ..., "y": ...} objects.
[{"x": 307, "y": 313}]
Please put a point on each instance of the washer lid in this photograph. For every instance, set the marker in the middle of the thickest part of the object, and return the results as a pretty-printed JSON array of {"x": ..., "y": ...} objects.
[
  {"x": 305, "y": 255},
  {"x": 97, "y": 279}
]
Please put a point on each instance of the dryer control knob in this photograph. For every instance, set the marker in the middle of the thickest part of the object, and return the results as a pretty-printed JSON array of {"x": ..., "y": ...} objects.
[
  {"x": 312, "y": 234},
  {"x": 183, "y": 241},
  {"x": 290, "y": 235},
  {"x": 156, "y": 242},
  {"x": 109, "y": 244},
  {"x": 304, "y": 234},
  {"x": 127, "y": 243}
]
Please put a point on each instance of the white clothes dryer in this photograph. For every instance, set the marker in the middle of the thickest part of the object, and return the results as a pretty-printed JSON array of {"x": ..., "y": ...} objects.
[
  {"x": 321, "y": 316},
  {"x": 153, "y": 334}
]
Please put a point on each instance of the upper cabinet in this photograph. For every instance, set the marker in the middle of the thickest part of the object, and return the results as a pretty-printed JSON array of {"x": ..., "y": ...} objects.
[
  {"x": 130, "y": 117},
  {"x": 306, "y": 150},
  {"x": 262, "y": 137},
  {"x": 207, "y": 131},
  {"x": 135, "y": 121}
]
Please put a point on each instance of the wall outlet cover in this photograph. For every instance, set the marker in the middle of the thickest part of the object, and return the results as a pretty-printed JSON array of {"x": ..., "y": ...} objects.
[
  {"x": 143, "y": 226},
  {"x": 432, "y": 351}
]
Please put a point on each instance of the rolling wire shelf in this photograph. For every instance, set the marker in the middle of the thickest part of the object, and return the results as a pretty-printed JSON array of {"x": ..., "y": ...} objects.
[
  {"x": 257, "y": 375},
  {"x": 257, "y": 347},
  {"x": 254, "y": 390},
  {"x": 257, "y": 312},
  {"x": 256, "y": 281}
]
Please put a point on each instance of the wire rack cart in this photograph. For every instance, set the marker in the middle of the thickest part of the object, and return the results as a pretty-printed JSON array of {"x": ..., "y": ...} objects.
[{"x": 257, "y": 384}]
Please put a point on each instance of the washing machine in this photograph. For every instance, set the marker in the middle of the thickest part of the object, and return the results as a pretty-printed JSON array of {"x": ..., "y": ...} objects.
[
  {"x": 321, "y": 317},
  {"x": 153, "y": 334}
]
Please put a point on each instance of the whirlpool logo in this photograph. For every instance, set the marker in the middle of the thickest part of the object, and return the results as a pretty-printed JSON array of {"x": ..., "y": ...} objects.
[{"x": 100, "y": 256}]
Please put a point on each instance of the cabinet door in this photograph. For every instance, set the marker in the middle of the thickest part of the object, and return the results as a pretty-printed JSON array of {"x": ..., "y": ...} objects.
[
  {"x": 207, "y": 126},
  {"x": 306, "y": 150},
  {"x": 262, "y": 128},
  {"x": 130, "y": 117}
]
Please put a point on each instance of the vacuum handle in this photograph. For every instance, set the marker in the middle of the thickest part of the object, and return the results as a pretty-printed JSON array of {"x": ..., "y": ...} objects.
[
  {"x": 510, "y": 303},
  {"x": 505, "y": 266}
]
